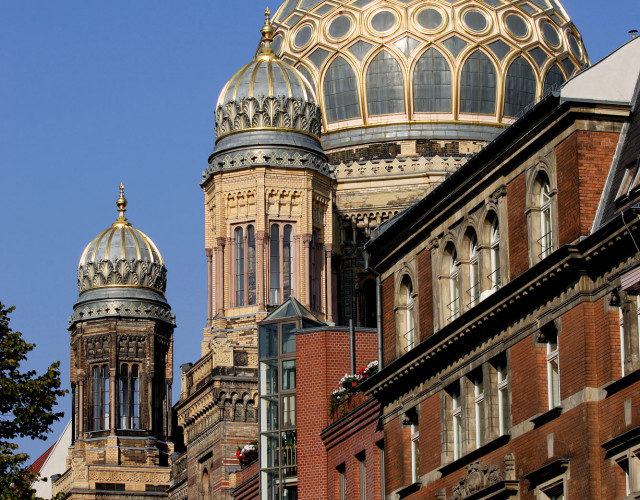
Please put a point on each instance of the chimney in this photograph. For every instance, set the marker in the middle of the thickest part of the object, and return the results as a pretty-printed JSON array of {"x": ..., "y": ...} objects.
[{"x": 634, "y": 34}]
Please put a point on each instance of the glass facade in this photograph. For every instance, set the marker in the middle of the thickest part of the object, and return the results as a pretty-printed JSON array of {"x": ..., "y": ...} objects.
[
  {"x": 520, "y": 89},
  {"x": 385, "y": 85},
  {"x": 341, "y": 92},
  {"x": 478, "y": 85},
  {"x": 432, "y": 84}
]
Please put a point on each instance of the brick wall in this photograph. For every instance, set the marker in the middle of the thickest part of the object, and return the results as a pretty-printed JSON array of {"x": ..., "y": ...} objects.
[
  {"x": 528, "y": 372},
  {"x": 322, "y": 358},
  {"x": 582, "y": 164},
  {"x": 425, "y": 299},
  {"x": 518, "y": 235}
]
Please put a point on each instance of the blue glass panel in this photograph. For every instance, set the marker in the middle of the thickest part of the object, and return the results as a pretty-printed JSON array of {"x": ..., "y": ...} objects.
[
  {"x": 478, "y": 85},
  {"x": 385, "y": 85},
  {"x": 268, "y": 341},
  {"x": 553, "y": 80},
  {"x": 520, "y": 87},
  {"x": 499, "y": 48},
  {"x": 341, "y": 92},
  {"x": 454, "y": 45},
  {"x": 432, "y": 84}
]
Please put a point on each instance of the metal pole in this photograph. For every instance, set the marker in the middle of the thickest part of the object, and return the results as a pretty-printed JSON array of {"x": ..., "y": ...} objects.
[{"x": 352, "y": 346}]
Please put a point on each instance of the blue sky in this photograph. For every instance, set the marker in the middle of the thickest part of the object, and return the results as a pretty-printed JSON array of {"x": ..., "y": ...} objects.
[{"x": 95, "y": 93}]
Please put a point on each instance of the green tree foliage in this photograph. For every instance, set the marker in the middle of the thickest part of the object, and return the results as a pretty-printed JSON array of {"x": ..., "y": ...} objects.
[{"x": 26, "y": 408}]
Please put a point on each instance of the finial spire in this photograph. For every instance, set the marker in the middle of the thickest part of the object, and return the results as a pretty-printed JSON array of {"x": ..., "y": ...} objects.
[
  {"x": 121, "y": 203},
  {"x": 267, "y": 37}
]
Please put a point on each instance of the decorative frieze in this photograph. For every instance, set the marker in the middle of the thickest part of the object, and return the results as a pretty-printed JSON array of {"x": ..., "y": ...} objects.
[
  {"x": 480, "y": 476},
  {"x": 122, "y": 272},
  {"x": 131, "y": 346},
  {"x": 396, "y": 166},
  {"x": 97, "y": 348}
]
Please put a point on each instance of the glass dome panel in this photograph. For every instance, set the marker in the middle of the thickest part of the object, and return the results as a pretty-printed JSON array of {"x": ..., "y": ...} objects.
[
  {"x": 475, "y": 20},
  {"x": 383, "y": 21},
  {"x": 478, "y": 85},
  {"x": 429, "y": 19},
  {"x": 340, "y": 26},
  {"x": 520, "y": 89},
  {"x": 303, "y": 35},
  {"x": 385, "y": 85},
  {"x": 553, "y": 80},
  {"x": 550, "y": 34},
  {"x": 341, "y": 100},
  {"x": 432, "y": 83},
  {"x": 575, "y": 46},
  {"x": 307, "y": 74},
  {"x": 516, "y": 25}
]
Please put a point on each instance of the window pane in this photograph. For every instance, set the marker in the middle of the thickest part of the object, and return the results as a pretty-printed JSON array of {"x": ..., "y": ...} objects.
[
  {"x": 554, "y": 79},
  {"x": 289, "y": 442},
  {"x": 239, "y": 267},
  {"x": 289, "y": 374},
  {"x": 341, "y": 92},
  {"x": 269, "y": 377},
  {"x": 268, "y": 341},
  {"x": 478, "y": 85},
  {"x": 385, "y": 85},
  {"x": 520, "y": 89},
  {"x": 274, "y": 265},
  {"x": 124, "y": 397},
  {"x": 269, "y": 450},
  {"x": 432, "y": 84},
  {"x": 251, "y": 264},
  {"x": 288, "y": 411},
  {"x": 287, "y": 262},
  {"x": 135, "y": 388},
  {"x": 288, "y": 338},
  {"x": 269, "y": 413},
  {"x": 105, "y": 396}
]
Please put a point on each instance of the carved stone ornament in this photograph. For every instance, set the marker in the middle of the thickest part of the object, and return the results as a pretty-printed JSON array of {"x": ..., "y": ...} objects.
[
  {"x": 122, "y": 272},
  {"x": 240, "y": 358},
  {"x": 131, "y": 346},
  {"x": 97, "y": 348},
  {"x": 480, "y": 476},
  {"x": 268, "y": 112},
  {"x": 286, "y": 158},
  {"x": 122, "y": 308}
]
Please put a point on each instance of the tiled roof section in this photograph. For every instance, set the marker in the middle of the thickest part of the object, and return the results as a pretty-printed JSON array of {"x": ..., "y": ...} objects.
[{"x": 37, "y": 465}]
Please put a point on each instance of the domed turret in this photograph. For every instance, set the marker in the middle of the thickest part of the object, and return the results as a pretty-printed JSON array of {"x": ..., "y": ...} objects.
[
  {"x": 267, "y": 93},
  {"x": 121, "y": 272},
  {"x": 412, "y": 69}
]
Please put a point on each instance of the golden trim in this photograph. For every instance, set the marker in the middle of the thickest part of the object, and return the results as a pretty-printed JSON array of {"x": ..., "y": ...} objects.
[
  {"x": 503, "y": 21},
  {"x": 352, "y": 28},
  {"x": 292, "y": 41},
  {"x": 252, "y": 79},
  {"x": 228, "y": 84},
  {"x": 286, "y": 78},
  {"x": 543, "y": 39},
  {"x": 374, "y": 12},
  {"x": 149, "y": 242},
  {"x": 107, "y": 250},
  {"x": 243, "y": 71},
  {"x": 122, "y": 286},
  {"x": 487, "y": 15},
  {"x": 122, "y": 246},
  {"x": 413, "y": 19},
  {"x": 138, "y": 254}
]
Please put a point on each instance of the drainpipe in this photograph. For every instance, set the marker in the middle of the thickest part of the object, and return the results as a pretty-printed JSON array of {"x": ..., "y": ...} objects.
[
  {"x": 378, "y": 306},
  {"x": 352, "y": 346}
]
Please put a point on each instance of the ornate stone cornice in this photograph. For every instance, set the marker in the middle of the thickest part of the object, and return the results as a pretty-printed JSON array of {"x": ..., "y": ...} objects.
[
  {"x": 398, "y": 166},
  {"x": 131, "y": 308},
  {"x": 120, "y": 272},
  {"x": 277, "y": 157},
  {"x": 284, "y": 113}
]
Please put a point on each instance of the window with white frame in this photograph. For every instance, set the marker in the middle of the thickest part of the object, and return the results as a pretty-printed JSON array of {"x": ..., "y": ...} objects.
[
  {"x": 453, "y": 307},
  {"x": 479, "y": 408},
  {"x": 629, "y": 331},
  {"x": 415, "y": 452},
  {"x": 280, "y": 262},
  {"x": 553, "y": 369},
  {"x": 494, "y": 249},
  {"x": 456, "y": 420},
  {"x": 546, "y": 232},
  {"x": 407, "y": 318},
  {"x": 244, "y": 249},
  {"x": 100, "y": 397},
  {"x": 474, "y": 272},
  {"x": 502, "y": 376}
]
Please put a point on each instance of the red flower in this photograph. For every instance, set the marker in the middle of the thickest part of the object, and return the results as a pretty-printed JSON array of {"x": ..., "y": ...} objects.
[{"x": 239, "y": 455}]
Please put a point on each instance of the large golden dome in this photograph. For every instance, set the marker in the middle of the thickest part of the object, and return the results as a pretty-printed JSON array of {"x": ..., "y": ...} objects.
[{"x": 443, "y": 67}]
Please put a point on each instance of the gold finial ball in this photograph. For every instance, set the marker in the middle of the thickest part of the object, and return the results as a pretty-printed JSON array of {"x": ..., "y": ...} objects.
[
  {"x": 267, "y": 32},
  {"x": 121, "y": 203}
]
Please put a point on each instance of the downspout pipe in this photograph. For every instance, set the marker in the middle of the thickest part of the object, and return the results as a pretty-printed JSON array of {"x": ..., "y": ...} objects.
[
  {"x": 352, "y": 346},
  {"x": 378, "y": 305}
]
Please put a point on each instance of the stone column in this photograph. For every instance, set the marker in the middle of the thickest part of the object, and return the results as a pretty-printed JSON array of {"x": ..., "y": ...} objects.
[
  {"x": 81, "y": 404},
  {"x": 220, "y": 243},
  {"x": 328, "y": 283},
  {"x": 306, "y": 244},
  {"x": 260, "y": 281},
  {"x": 209, "y": 253},
  {"x": 112, "y": 400}
]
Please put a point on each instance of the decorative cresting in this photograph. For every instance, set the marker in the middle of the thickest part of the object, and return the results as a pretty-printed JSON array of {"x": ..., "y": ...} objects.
[
  {"x": 386, "y": 62},
  {"x": 122, "y": 256},
  {"x": 267, "y": 93}
]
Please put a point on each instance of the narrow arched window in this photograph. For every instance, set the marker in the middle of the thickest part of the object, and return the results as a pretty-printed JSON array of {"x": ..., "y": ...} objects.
[
  {"x": 274, "y": 264},
  {"x": 251, "y": 264},
  {"x": 432, "y": 83},
  {"x": 546, "y": 238},
  {"x": 341, "y": 100},
  {"x": 520, "y": 90},
  {"x": 474, "y": 272},
  {"x": 125, "y": 395},
  {"x": 385, "y": 85},
  {"x": 553, "y": 80},
  {"x": 407, "y": 337},
  {"x": 100, "y": 397},
  {"x": 478, "y": 85},
  {"x": 239, "y": 238},
  {"x": 315, "y": 270},
  {"x": 129, "y": 396},
  {"x": 494, "y": 248},
  {"x": 287, "y": 262},
  {"x": 454, "y": 281}
]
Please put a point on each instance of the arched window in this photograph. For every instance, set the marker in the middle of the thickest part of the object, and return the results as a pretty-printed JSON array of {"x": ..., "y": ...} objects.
[
  {"x": 453, "y": 307},
  {"x": 129, "y": 396},
  {"x": 478, "y": 85},
  {"x": 316, "y": 252},
  {"x": 205, "y": 485},
  {"x": 385, "y": 85},
  {"x": 520, "y": 89},
  {"x": 239, "y": 237},
  {"x": 553, "y": 80},
  {"x": 407, "y": 335},
  {"x": 494, "y": 249},
  {"x": 100, "y": 397},
  {"x": 341, "y": 100},
  {"x": 245, "y": 265},
  {"x": 474, "y": 271},
  {"x": 546, "y": 238},
  {"x": 432, "y": 83},
  {"x": 280, "y": 263}
]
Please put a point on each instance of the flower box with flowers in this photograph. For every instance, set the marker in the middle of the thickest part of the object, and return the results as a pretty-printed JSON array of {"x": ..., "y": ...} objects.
[
  {"x": 344, "y": 399},
  {"x": 248, "y": 453}
]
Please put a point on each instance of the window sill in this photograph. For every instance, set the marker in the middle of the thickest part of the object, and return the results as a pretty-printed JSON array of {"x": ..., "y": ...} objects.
[
  {"x": 408, "y": 490},
  {"x": 547, "y": 416},
  {"x": 622, "y": 383},
  {"x": 474, "y": 455}
]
